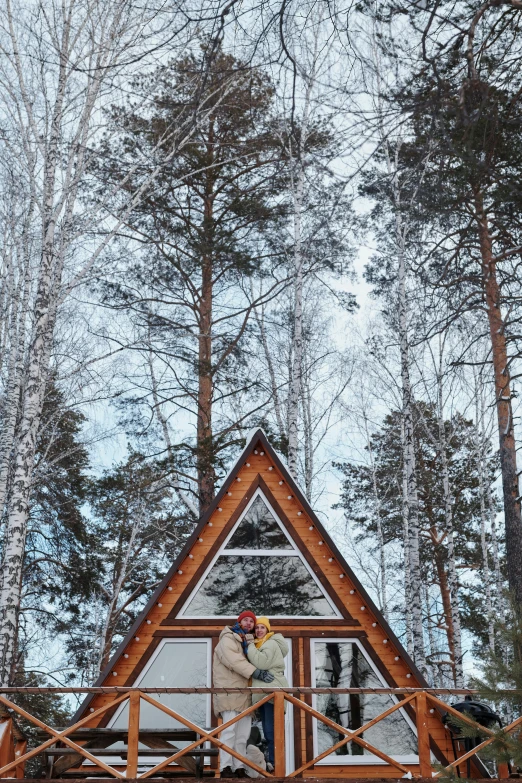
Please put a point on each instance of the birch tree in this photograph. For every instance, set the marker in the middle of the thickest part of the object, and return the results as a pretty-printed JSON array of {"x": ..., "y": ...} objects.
[{"x": 59, "y": 62}]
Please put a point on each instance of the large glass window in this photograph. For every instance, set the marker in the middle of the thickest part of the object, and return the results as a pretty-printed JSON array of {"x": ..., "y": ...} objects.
[
  {"x": 276, "y": 586},
  {"x": 259, "y": 567},
  {"x": 343, "y": 664},
  {"x": 178, "y": 664}
]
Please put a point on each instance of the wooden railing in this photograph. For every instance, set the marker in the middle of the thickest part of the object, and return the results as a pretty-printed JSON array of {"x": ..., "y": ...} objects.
[{"x": 420, "y": 704}]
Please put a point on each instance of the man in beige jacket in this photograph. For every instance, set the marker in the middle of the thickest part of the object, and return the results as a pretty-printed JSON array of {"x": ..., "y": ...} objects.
[{"x": 231, "y": 669}]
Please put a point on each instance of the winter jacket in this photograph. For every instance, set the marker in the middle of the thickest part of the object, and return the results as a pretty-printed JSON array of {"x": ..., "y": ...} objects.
[
  {"x": 231, "y": 669},
  {"x": 269, "y": 657}
]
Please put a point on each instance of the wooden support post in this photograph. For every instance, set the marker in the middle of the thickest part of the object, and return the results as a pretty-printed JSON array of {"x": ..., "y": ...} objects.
[
  {"x": 218, "y": 759},
  {"x": 502, "y": 771},
  {"x": 134, "y": 735},
  {"x": 279, "y": 735},
  {"x": 423, "y": 737}
]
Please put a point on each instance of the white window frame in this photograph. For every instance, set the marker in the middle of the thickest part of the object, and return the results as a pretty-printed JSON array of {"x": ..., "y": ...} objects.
[
  {"x": 294, "y": 552},
  {"x": 355, "y": 760}
]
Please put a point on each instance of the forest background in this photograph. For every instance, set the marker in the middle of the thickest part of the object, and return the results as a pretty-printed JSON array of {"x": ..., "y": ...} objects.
[{"x": 304, "y": 216}]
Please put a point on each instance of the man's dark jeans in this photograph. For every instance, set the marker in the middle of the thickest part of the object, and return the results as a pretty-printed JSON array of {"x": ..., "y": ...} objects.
[{"x": 267, "y": 721}]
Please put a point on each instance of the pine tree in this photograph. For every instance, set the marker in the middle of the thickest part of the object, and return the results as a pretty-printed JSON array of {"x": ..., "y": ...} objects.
[
  {"x": 463, "y": 109},
  {"x": 202, "y": 236}
]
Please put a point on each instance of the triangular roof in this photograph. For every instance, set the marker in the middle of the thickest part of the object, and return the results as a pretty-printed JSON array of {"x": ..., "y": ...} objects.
[{"x": 259, "y": 466}]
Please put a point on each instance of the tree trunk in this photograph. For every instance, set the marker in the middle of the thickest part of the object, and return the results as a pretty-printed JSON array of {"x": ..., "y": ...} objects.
[
  {"x": 480, "y": 442},
  {"x": 378, "y": 523},
  {"x": 407, "y": 575},
  {"x": 297, "y": 337},
  {"x": 16, "y": 527},
  {"x": 453, "y": 584},
  {"x": 410, "y": 483},
  {"x": 205, "y": 444},
  {"x": 17, "y": 329},
  {"x": 507, "y": 446}
]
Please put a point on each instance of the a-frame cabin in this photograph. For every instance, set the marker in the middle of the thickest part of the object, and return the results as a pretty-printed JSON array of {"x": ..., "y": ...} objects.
[{"x": 260, "y": 546}]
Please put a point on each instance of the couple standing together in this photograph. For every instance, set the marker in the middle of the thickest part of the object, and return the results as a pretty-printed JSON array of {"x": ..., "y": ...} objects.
[{"x": 248, "y": 653}]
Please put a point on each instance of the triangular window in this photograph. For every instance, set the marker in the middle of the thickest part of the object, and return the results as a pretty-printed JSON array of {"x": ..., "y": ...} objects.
[
  {"x": 259, "y": 530},
  {"x": 260, "y": 568}
]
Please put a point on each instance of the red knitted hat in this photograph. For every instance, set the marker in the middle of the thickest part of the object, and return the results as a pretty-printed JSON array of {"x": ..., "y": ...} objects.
[{"x": 246, "y": 614}]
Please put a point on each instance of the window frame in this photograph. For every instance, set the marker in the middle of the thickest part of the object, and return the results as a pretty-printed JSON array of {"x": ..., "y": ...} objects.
[
  {"x": 293, "y": 552},
  {"x": 354, "y": 760},
  {"x": 151, "y": 761}
]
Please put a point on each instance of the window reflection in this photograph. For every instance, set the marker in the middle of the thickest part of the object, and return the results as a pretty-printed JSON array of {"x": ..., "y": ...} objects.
[
  {"x": 259, "y": 530},
  {"x": 177, "y": 665},
  {"x": 272, "y": 585},
  {"x": 343, "y": 665}
]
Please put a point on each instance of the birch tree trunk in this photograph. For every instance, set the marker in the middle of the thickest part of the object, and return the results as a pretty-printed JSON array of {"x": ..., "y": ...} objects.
[
  {"x": 378, "y": 522},
  {"x": 297, "y": 178},
  {"x": 408, "y": 451},
  {"x": 407, "y": 572}
]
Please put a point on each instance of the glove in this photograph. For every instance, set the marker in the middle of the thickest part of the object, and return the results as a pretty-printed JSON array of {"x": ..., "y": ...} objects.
[
  {"x": 264, "y": 676},
  {"x": 249, "y": 637}
]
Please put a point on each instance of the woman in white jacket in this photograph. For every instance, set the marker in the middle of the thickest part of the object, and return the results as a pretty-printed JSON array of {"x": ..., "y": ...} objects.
[{"x": 267, "y": 652}]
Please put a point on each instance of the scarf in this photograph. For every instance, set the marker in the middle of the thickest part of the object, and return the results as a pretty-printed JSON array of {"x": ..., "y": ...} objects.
[
  {"x": 260, "y": 642},
  {"x": 237, "y": 629}
]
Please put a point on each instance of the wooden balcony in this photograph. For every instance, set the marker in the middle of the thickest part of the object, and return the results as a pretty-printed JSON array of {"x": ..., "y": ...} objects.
[{"x": 87, "y": 749}]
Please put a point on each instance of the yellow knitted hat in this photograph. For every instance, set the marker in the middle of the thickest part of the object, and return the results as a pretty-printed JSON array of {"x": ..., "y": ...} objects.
[{"x": 263, "y": 621}]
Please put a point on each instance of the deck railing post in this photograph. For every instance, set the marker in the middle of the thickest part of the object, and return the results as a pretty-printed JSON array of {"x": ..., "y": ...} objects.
[
  {"x": 279, "y": 735},
  {"x": 423, "y": 737},
  {"x": 134, "y": 734}
]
